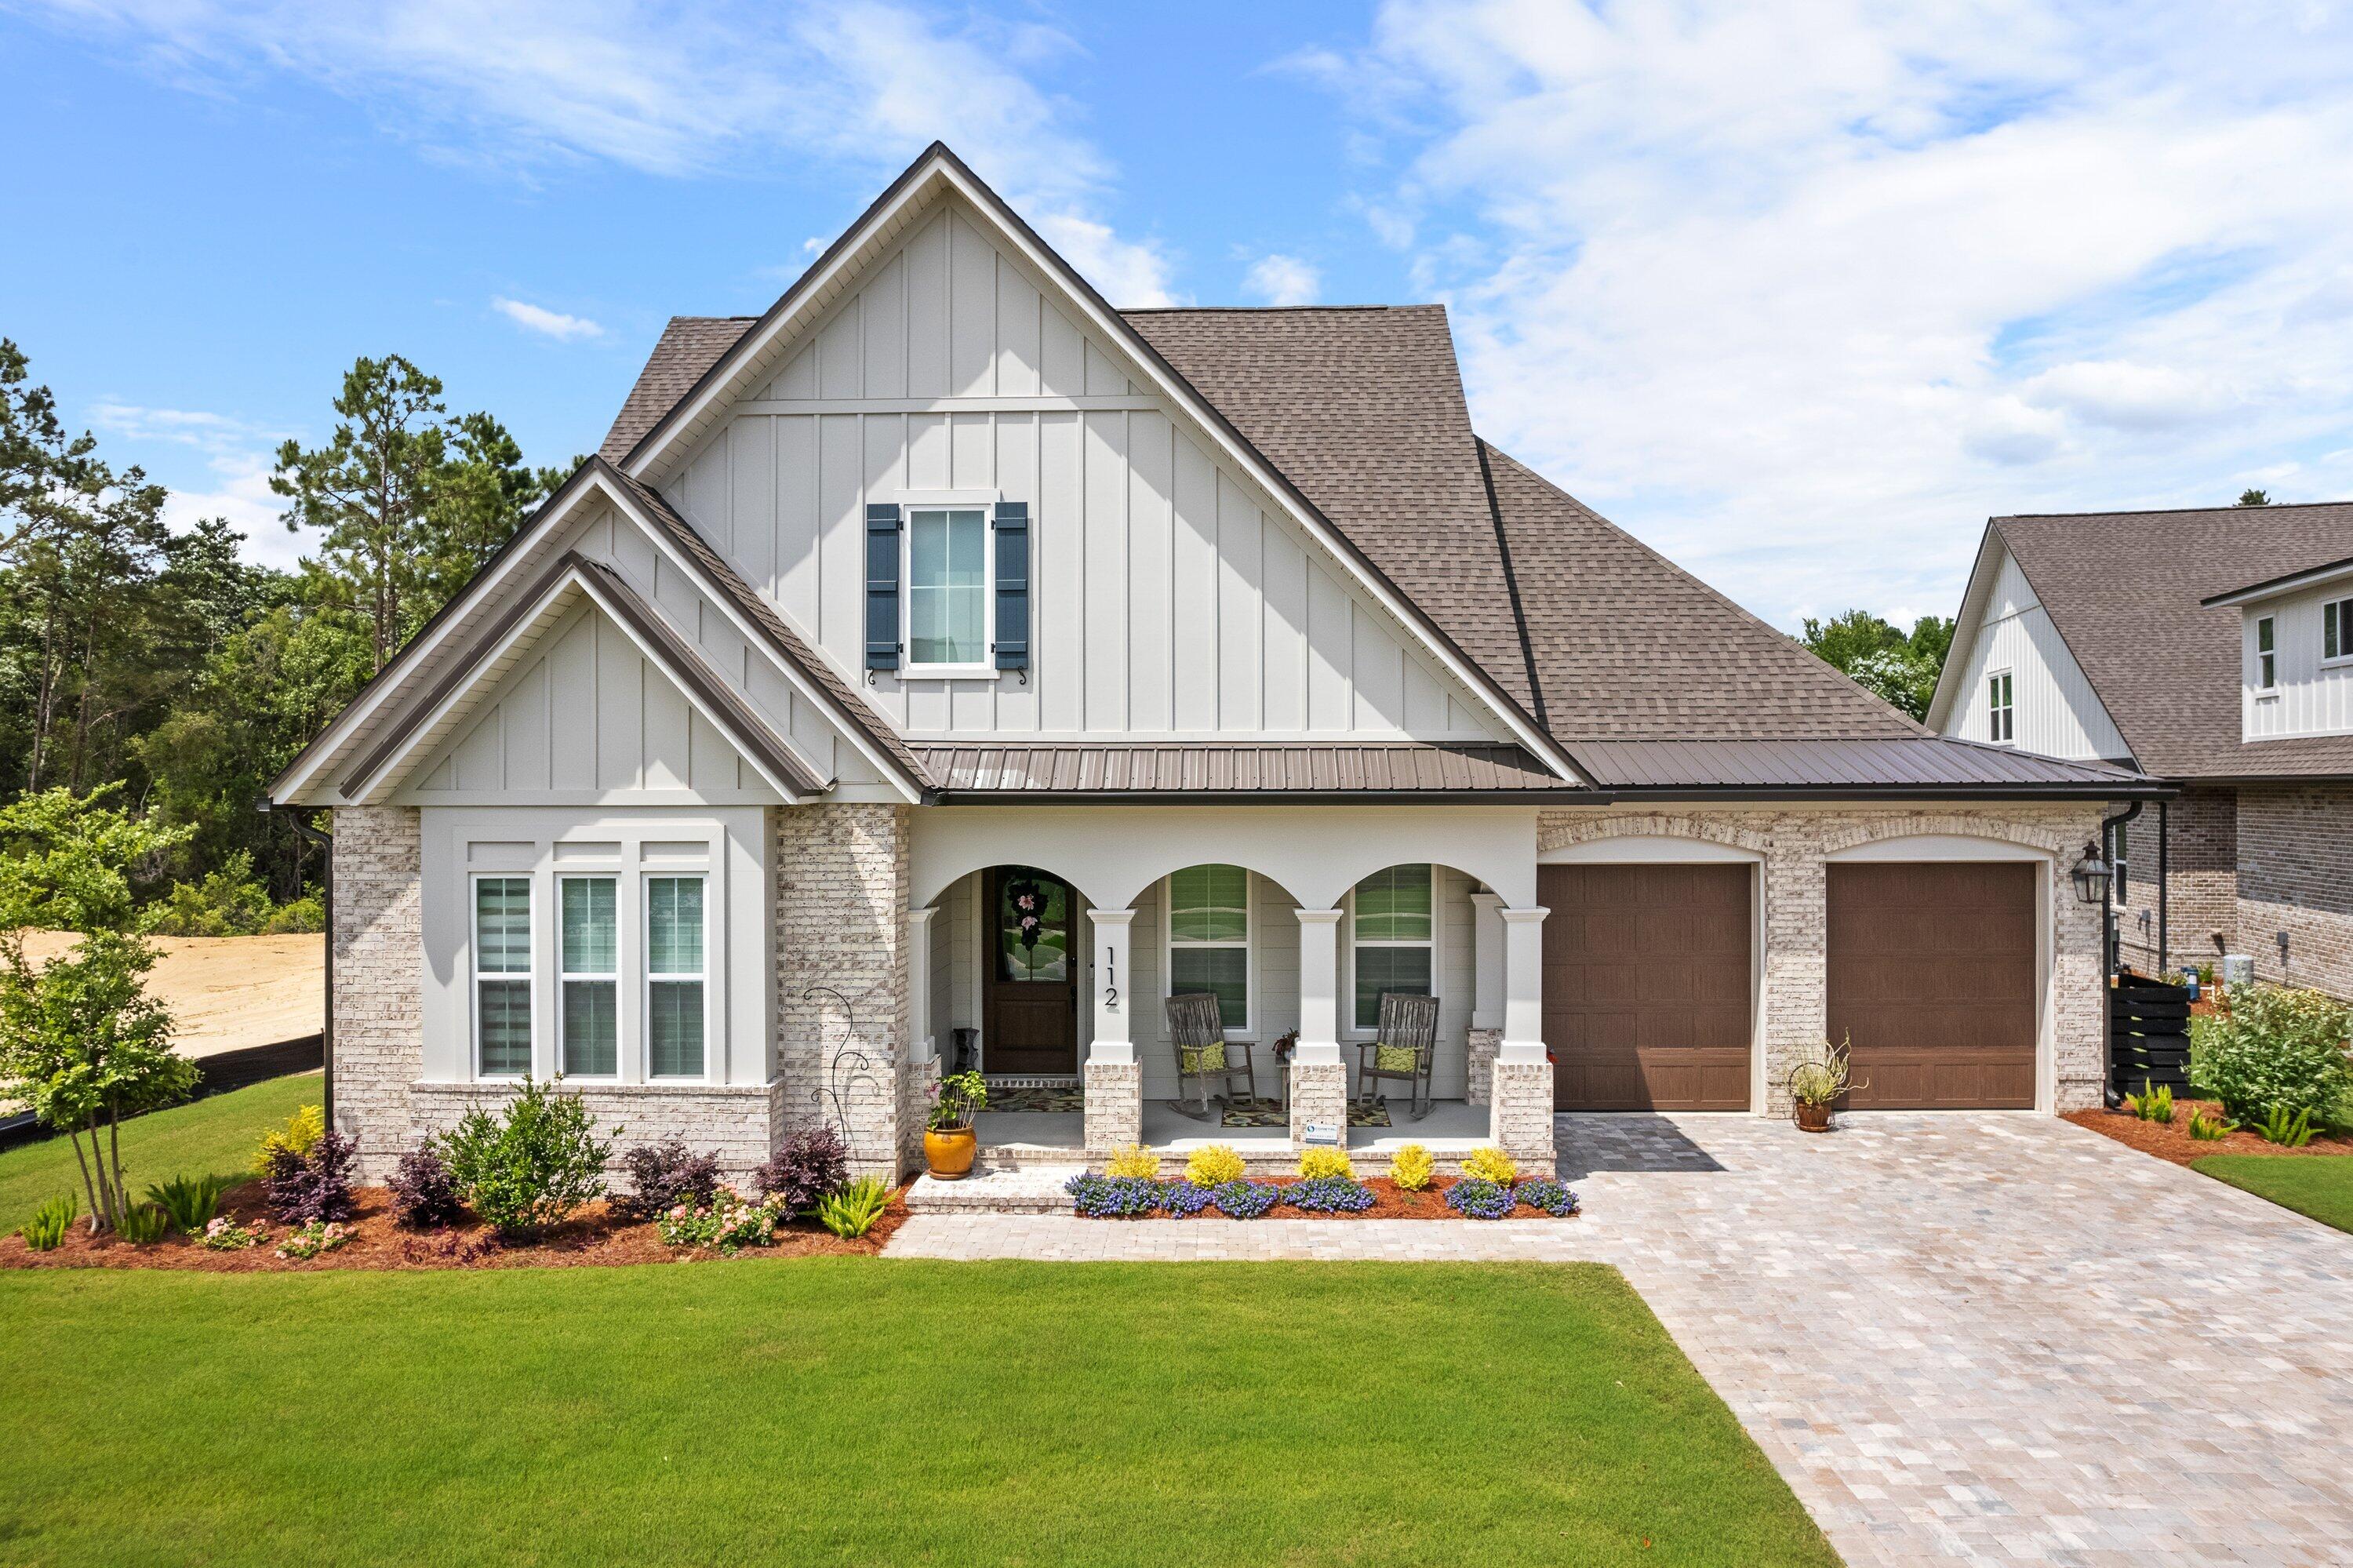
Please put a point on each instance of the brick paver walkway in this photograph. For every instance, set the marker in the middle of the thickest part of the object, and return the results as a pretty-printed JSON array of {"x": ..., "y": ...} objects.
[{"x": 1963, "y": 1337}]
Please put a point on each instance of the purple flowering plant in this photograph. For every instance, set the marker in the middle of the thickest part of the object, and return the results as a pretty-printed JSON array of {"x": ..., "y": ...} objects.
[
  {"x": 1547, "y": 1195},
  {"x": 1328, "y": 1195},
  {"x": 1476, "y": 1200}
]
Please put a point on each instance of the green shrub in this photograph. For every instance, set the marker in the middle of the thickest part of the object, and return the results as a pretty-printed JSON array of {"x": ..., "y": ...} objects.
[
  {"x": 190, "y": 1201},
  {"x": 302, "y": 1129},
  {"x": 47, "y": 1227},
  {"x": 1214, "y": 1165},
  {"x": 851, "y": 1213},
  {"x": 529, "y": 1168},
  {"x": 1411, "y": 1168},
  {"x": 2275, "y": 1046},
  {"x": 2288, "y": 1131},
  {"x": 1491, "y": 1164},
  {"x": 301, "y": 917},
  {"x": 2152, "y": 1104},
  {"x": 1320, "y": 1162},
  {"x": 1132, "y": 1159},
  {"x": 2206, "y": 1128},
  {"x": 142, "y": 1224}
]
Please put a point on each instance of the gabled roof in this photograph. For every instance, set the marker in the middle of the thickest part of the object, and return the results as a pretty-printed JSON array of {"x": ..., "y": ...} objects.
[{"x": 2125, "y": 590}]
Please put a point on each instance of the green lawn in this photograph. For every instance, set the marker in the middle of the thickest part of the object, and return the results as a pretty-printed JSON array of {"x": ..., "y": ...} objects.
[
  {"x": 2319, "y": 1185},
  {"x": 210, "y": 1135},
  {"x": 854, "y": 1411}
]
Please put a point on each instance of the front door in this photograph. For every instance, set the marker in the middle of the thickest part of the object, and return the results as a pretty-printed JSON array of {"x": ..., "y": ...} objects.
[{"x": 1032, "y": 1013}]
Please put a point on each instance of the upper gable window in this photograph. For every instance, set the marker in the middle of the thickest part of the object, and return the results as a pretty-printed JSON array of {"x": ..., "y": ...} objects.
[
  {"x": 2001, "y": 712},
  {"x": 2337, "y": 629},
  {"x": 948, "y": 587},
  {"x": 2266, "y": 654}
]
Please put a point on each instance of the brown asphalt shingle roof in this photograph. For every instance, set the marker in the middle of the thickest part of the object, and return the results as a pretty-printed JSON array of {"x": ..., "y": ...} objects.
[
  {"x": 2123, "y": 589},
  {"x": 689, "y": 345}
]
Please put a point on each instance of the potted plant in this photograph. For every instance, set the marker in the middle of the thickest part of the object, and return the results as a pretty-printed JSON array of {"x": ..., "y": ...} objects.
[
  {"x": 949, "y": 1143},
  {"x": 1815, "y": 1085}
]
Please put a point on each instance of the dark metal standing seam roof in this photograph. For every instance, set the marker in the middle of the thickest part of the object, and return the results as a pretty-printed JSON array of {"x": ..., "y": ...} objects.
[
  {"x": 1908, "y": 763},
  {"x": 1240, "y": 767}
]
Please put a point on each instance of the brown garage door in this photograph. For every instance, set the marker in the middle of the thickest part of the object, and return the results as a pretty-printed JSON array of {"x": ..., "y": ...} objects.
[
  {"x": 1646, "y": 986},
  {"x": 1932, "y": 977}
]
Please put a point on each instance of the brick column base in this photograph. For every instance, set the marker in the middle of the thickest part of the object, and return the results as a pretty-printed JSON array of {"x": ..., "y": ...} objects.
[
  {"x": 1319, "y": 1092},
  {"x": 1483, "y": 1044},
  {"x": 919, "y": 1087},
  {"x": 1115, "y": 1106},
  {"x": 1521, "y": 1123}
]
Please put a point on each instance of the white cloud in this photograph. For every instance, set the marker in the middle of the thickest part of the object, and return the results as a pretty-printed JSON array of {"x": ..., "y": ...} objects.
[
  {"x": 1804, "y": 293},
  {"x": 1283, "y": 280},
  {"x": 546, "y": 322},
  {"x": 212, "y": 465},
  {"x": 674, "y": 91}
]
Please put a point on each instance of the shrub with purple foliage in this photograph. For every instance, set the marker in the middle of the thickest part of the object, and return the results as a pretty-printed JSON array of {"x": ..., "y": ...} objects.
[
  {"x": 312, "y": 1188},
  {"x": 423, "y": 1195},
  {"x": 665, "y": 1175},
  {"x": 1546, "y": 1195},
  {"x": 1476, "y": 1200},
  {"x": 1183, "y": 1199},
  {"x": 814, "y": 1164},
  {"x": 1246, "y": 1200},
  {"x": 1328, "y": 1195},
  {"x": 1111, "y": 1197}
]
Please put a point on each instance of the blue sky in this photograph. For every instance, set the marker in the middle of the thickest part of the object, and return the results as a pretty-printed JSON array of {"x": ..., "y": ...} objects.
[{"x": 1799, "y": 294}]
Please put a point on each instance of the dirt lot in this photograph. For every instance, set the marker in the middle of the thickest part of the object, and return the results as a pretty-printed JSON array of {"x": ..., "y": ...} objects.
[{"x": 228, "y": 993}]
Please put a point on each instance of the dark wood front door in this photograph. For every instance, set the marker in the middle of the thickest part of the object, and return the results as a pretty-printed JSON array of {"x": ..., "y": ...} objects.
[
  {"x": 1932, "y": 979},
  {"x": 1031, "y": 1023},
  {"x": 1646, "y": 986}
]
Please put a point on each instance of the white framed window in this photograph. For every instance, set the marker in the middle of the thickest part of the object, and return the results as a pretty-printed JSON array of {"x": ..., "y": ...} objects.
[
  {"x": 949, "y": 576},
  {"x": 588, "y": 962},
  {"x": 1392, "y": 938},
  {"x": 2266, "y": 654},
  {"x": 676, "y": 993},
  {"x": 1209, "y": 920},
  {"x": 2337, "y": 630},
  {"x": 502, "y": 976},
  {"x": 2001, "y": 711}
]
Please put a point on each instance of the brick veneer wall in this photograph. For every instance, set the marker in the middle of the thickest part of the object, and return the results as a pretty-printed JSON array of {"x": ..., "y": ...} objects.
[
  {"x": 734, "y": 1121},
  {"x": 1795, "y": 845},
  {"x": 2295, "y": 875},
  {"x": 1480, "y": 1046},
  {"x": 2201, "y": 879},
  {"x": 379, "y": 1001},
  {"x": 1520, "y": 1120}
]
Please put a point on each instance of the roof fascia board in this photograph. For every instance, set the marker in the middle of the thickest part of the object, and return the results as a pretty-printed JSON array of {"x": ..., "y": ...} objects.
[
  {"x": 939, "y": 169},
  {"x": 912, "y": 788},
  {"x": 2275, "y": 587}
]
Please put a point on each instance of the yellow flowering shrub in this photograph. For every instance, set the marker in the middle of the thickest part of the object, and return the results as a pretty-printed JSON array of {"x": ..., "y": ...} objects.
[
  {"x": 304, "y": 1128},
  {"x": 1213, "y": 1165},
  {"x": 1133, "y": 1160},
  {"x": 1410, "y": 1169},
  {"x": 1491, "y": 1165},
  {"x": 1326, "y": 1162}
]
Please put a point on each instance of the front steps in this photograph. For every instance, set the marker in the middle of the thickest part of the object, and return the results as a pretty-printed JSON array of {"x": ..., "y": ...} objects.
[{"x": 1027, "y": 1179}]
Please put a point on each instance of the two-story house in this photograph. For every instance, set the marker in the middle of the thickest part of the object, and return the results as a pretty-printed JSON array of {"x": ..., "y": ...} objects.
[
  {"x": 2208, "y": 648},
  {"x": 945, "y": 664}
]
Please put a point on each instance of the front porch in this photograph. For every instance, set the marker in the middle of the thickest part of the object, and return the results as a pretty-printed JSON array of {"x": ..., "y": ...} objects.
[{"x": 1014, "y": 1139}]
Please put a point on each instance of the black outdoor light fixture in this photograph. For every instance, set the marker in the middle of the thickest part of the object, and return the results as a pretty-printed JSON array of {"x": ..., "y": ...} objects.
[{"x": 2091, "y": 875}]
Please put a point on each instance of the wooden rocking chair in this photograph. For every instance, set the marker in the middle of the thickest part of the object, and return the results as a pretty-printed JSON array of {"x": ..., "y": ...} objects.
[
  {"x": 1205, "y": 1056},
  {"x": 1403, "y": 1048}
]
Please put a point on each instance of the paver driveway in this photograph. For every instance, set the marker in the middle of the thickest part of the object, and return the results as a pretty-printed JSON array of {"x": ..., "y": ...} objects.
[{"x": 1967, "y": 1337}]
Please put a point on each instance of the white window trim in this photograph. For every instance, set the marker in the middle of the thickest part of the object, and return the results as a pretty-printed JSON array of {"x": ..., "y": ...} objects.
[
  {"x": 911, "y": 503},
  {"x": 2266, "y": 688},
  {"x": 563, "y": 975},
  {"x": 2344, "y": 655},
  {"x": 1249, "y": 944},
  {"x": 1349, "y": 1028},
  {"x": 476, "y": 974},
  {"x": 646, "y": 977},
  {"x": 1994, "y": 716}
]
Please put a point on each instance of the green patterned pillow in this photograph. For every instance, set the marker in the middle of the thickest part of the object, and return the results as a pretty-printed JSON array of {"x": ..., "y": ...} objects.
[
  {"x": 1204, "y": 1058},
  {"x": 1396, "y": 1059}
]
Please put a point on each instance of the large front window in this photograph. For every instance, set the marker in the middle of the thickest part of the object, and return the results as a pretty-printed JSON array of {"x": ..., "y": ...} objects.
[
  {"x": 674, "y": 976},
  {"x": 1394, "y": 918},
  {"x": 503, "y": 975},
  {"x": 1208, "y": 938},
  {"x": 948, "y": 587}
]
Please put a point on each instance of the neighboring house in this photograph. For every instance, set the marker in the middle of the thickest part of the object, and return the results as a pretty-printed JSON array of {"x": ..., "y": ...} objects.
[
  {"x": 1217, "y": 639},
  {"x": 2136, "y": 638}
]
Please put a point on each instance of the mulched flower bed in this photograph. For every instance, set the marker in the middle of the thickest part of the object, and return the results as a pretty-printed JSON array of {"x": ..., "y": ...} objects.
[
  {"x": 592, "y": 1238},
  {"x": 2172, "y": 1141},
  {"x": 1389, "y": 1203}
]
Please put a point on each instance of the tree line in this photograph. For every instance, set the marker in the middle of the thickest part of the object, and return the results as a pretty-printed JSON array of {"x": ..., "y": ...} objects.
[{"x": 168, "y": 673}]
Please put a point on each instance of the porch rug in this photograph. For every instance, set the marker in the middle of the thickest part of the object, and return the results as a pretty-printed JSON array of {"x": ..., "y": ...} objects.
[
  {"x": 1275, "y": 1116},
  {"x": 1037, "y": 1100}
]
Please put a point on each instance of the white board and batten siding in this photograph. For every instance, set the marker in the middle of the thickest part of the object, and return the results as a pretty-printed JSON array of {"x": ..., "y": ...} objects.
[
  {"x": 1166, "y": 600},
  {"x": 2054, "y": 709},
  {"x": 2313, "y": 695}
]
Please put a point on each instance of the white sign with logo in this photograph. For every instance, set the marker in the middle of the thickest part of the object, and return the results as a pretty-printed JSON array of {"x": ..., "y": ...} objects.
[{"x": 1323, "y": 1132}]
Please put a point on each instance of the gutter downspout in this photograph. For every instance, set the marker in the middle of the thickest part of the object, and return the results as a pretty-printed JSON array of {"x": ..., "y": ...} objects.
[
  {"x": 326, "y": 843},
  {"x": 2109, "y": 826}
]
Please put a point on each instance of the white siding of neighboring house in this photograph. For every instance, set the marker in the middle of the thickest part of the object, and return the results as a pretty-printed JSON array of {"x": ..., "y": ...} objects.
[
  {"x": 2056, "y": 711},
  {"x": 1164, "y": 601},
  {"x": 2313, "y": 696}
]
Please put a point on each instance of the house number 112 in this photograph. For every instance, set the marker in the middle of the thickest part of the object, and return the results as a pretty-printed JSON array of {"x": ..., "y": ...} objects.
[{"x": 1111, "y": 979}]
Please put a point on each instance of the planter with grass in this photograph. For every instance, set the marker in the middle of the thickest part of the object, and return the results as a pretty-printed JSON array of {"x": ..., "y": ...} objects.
[
  {"x": 949, "y": 1141},
  {"x": 1819, "y": 1081}
]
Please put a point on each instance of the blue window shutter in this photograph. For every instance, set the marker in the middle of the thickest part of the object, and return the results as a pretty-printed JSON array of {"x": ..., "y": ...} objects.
[
  {"x": 1012, "y": 584},
  {"x": 882, "y": 587}
]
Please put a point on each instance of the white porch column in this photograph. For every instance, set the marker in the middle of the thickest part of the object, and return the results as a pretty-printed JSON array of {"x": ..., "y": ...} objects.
[
  {"x": 921, "y": 1047},
  {"x": 1522, "y": 985},
  {"x": 1319, "y": 987},
  {"x": 1114, "y": 1041}
]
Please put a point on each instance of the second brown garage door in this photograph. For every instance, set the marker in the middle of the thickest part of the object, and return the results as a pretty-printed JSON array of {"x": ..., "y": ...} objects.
[
  {"x": 1932, "y": 977},
  {"x": 1646, "y": 986}
]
